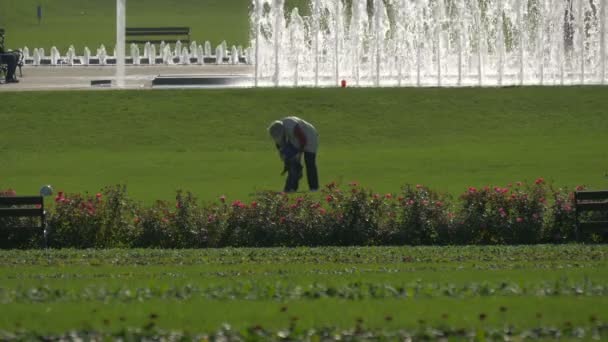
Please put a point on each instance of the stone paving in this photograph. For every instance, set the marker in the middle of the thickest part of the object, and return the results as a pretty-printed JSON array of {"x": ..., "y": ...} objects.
[{"x": 137, "y": 77}]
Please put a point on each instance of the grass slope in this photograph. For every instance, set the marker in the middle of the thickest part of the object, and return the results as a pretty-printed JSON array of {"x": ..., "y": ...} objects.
[
  {"x": 55, "y": 291},
  {"x": 215, "y": 142},
  {"x": 93, "y": 22}
]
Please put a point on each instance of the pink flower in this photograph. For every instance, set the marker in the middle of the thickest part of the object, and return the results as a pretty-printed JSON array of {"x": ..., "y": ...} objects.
[
  {"x": 98, "y": 196},
  {"x": 322, "y": 211},
  {"x": 210, "y": 218},
  {"x": 535, "y": 216},
  {"x": 293, "y": 206},
  {"x": 299, "y": 200},
  {"x": 238, "y": 204},
  {"x": 165, "y": 220},
  {"x": 223, "y": 199},
  {"x": 282, "y": 219},
  {"x": 329, "y": 198},
  {"x": 472, "y": 190},
  {"x": 410, "y": 202},
  {"x": 254, "y": 204},
  {"x": 567, "y": 208},
  {"x": 425, "y": 203},
  {"x": 519, "y": 219},
  {"x": 439, "y": 204},
  {"x": 315, "y": 205},
  {"x": 502, "y": 212}
]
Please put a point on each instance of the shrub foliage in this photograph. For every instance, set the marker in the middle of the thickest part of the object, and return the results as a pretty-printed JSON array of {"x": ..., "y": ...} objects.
[{"x": 341, "y": 216}]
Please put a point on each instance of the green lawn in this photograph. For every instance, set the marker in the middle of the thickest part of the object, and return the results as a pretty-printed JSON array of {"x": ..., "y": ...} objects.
[
  {"x": 56, "y": 291},
  {"x": 93, "y": 22},
  {"x": 214, "y": 142}
]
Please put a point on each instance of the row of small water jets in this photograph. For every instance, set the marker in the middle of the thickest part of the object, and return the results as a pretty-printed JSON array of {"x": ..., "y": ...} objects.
[{"x": 179, "y": 54}]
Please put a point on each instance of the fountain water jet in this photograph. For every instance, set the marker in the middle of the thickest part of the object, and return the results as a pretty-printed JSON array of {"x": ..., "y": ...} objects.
[{"x": 430, "y": 42}]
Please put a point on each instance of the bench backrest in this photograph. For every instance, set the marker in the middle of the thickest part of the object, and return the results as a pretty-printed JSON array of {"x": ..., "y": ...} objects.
[
  {"x": 591, "y": 201},
  {"x": 22, "y": 206},
  {"x": 158, "y": 34}
]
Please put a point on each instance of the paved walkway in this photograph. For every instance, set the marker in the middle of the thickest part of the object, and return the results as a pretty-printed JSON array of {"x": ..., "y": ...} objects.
[{"x": 137, "y": 77}]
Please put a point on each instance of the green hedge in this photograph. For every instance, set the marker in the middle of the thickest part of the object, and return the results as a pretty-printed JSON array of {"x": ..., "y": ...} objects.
[{"x": 337, "y": 216}]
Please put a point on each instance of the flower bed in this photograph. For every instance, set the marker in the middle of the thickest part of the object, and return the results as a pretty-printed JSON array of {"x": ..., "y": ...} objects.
[{"x": 343, "y": 216}]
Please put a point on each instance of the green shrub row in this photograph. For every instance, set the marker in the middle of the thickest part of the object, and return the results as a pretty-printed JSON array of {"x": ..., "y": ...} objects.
[{"x": 337, "y": 216}]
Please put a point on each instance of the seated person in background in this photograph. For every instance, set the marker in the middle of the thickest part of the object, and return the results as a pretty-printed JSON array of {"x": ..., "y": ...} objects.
[{"x": 10, "y": 59}]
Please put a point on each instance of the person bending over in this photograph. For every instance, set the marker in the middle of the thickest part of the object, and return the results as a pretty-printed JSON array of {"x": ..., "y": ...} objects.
[{"x": 295, "y": 137}]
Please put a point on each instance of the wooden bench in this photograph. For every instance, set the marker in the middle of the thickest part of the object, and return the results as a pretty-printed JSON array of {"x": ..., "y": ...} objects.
[
  {"x": 14, "y": 209},
  {"x": 591, "y": 202},
  {"x": 156, "y": 35}
]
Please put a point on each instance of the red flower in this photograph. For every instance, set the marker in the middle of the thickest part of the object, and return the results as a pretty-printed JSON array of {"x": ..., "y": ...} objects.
[
  {"x": 376, "y": 196},
  {"x": 223, "y": 199},
  {"x": 238, "y": 204},
  {"x": 329, "y": 198},
  {"x": 472, "y": 190},
  {"x": 388, "y": 196},
  {"x": 299, "y": 200},
  {"x": 282, "y": 219},
  {"x": 254, "y": 204},
  {"x": 539, "y": 181},
  {"x": 98, "y": 196},
  {"x": 438, "y": 204},
  {"x": 322, "y": 211},
  {"x": 519, "y": 219}
]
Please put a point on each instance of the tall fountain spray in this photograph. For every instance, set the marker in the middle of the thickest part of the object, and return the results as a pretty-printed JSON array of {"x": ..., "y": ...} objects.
[
  {"x": 120, "y": 42},
  {"x": 430, "y": 42}
]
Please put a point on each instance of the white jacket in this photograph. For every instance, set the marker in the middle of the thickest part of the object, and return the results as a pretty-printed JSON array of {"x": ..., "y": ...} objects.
[{"x": 300, "y": 134}]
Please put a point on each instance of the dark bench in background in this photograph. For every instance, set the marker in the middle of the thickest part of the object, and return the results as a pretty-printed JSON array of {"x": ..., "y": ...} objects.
[
  {"x": 596, "y": 203},
  {"x": 14, "y": 214},
  {"x": 156, "y": 35}
]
